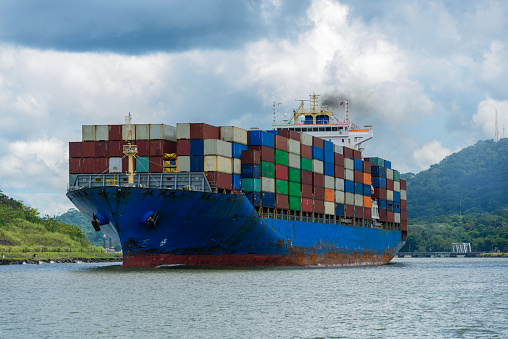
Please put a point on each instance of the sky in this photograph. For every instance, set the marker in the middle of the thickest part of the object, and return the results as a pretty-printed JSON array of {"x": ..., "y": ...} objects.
[{"x": 428, "y": 75}]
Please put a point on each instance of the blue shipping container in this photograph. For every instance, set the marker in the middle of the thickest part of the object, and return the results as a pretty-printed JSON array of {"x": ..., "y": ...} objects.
[
  {"x": 382, "y": 204},
  {"x": 317, "y": 153},
  {"x": 237, "y": 149},
  {"x": 389, "y": 206},
  {"x": 349, "y": 186},
  {"x": 388, "y": 164},
  {"x": 197, "y": 147},
  {"x": 366, "y": 190},
  {"x": 254, "y": 198},
  {"x": 396, "y": 208},
  {"x": 329, "y": 169},
  {"x": 358, "y": 188},
  {"x": 197, "y": 163},
  {"x": 396, "y": 196},
  {"x": 377, "y": 171},
  {"x": 274, "y": 131},
  {"x": 329, "y": 156},
  {"x": 378, "y": 182},
  {"x": 261, "y": 138},
  {"x": 268, "y": 199},
  {"x": 328, "y": 146},
  {"x": 237, "y": 182},
  {"x": 339, "y": 209},
  {"x": 358, "y": 165},
  {"x": 251, "y": 171}
]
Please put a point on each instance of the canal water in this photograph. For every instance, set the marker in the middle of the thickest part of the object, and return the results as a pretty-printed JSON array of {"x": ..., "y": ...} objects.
[{"x": 413, "y": 297}]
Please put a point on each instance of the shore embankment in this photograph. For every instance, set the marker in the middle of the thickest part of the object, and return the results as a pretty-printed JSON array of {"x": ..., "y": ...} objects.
[{"x": 34, "y": 258}]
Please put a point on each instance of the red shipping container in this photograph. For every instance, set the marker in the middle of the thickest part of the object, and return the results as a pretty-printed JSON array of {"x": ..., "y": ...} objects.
[
  {"x": 403, "y": 215},
  {"x": 88, "y": 165},
  {"x": 161, "y": 147},
  {"x": 101, "y": 165},
  {"x": 339, "y": 172},
  {"x": 367, "y": 213},
  {"x": 143, "y": 147},
  {"x": 75, "y": 149},
  {"x": 290, "y": 134},
  {"x": 220, "y": 180},
  {"x": 358, "y": 176},
  {"x": 281, "y": 201},
  {"x": 357, "y": 154},
  {"x": 317, "y": 179},
  {"x": 319, "y": 206},
  {"x": 379, "y": 193},
  {"x": 306, "y": 177},
  {"x": 115, "y": 132},
  {"x": 183, "y": 147},
  {"x": 281, "y": 143},
  {"x": 402, "y": 184},
  {"x": 306, "y": 205},
  {"x": 125, "y": 164},
  {"x": 319, "y": 193},
  {"x": 389, "y": 184},
  {"x": 266, "y": 153},
  {"x": 250, "y": 157},
  {"x": 157, "y": 164},
  {"x": 367, "y": 167},
  {"x": 339, "y": 159},
  {"x": 281, "y": 172},
  {"x": 403, "y": 205},
  {"x": 317, "y": 142},
  {"x": 403, "y": 225},
  {"x": 382, "y": 216},
  {"x": 204, "y": 131},
  {"x": 306, "y": 151},
  {"x": 307, "y": 191},
  {"x": 88, "y": 149},
  {"x": 75, "y": 165},
  {"x": 347, "y": 152},
  {"x": 349, "y": 211},
  {"x": 101, "y": 149},
  {"x": 115, "y": 148},
  {"x": 389, "y": 216},
  {"x": 359, "y": 212}
]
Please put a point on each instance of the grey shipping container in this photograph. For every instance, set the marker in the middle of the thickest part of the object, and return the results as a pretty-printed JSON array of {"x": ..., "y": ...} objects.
[{"x": 88, "y": 133}]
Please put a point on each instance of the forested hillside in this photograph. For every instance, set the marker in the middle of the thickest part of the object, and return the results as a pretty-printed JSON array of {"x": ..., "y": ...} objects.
[{"x": 473, "y": 180}]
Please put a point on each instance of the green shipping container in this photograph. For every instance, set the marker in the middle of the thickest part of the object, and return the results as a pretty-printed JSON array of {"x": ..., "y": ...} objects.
[
  {"x": 294, "y": 174},
  {"x": 251, "y": 184},
  {"x": 142, "y": 164},
  {"x": 267, "y": 169},
  {"x": 396, "y": 175},
  {"x": 377, "y": 161},
  {"x": 295, "y": 189},
  {"x": 281, "y": 186},
  {"x": 295, "y": 203},
  {"x": 307, "y": 164},
  {"x": 281, "y": 157}
]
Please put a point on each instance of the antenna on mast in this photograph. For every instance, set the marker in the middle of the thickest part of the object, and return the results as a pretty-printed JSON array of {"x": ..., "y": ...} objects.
[
  {"x": 496, "y": 137},
  {"x": 275, "y": 105}
]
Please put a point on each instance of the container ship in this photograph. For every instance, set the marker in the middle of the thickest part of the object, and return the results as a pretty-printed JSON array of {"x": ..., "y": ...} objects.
[{"x": 194, "y": 194}]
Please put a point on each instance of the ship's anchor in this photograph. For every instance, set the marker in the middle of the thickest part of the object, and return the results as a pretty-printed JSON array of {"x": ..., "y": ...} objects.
[
  {"x": 150, "y": 219},
  {"x": 96, "y": 223}
]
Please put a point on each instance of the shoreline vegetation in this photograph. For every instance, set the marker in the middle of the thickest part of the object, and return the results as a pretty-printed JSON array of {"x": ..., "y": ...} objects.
[{"x": 20, "y": 258}]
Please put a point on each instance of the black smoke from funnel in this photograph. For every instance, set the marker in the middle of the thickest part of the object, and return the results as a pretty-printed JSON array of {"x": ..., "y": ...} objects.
[{"x": 332, "y": 101}]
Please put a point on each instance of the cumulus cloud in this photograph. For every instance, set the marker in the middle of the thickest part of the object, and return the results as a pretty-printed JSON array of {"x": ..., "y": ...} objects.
[
  {"x": 485, "y": 117},
  {"x": 431, "y": 152}
]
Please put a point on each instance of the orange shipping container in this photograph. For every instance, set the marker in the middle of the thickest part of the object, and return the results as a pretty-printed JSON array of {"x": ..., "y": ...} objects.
[
  {"x": 329, "y": 194},
  {"x": 367, "y": 202},
  {"x": 367, "y": 179}
]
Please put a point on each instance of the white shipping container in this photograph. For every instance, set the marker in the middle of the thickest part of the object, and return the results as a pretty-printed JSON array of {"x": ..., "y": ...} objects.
[
  {"x": 350, "y": 198},
  {"x": 142, "y": 132},
  {"x": 349, "y": 164},
  {"x": 396, "y": 218},
  {"x": 350, "y": 175},
  {"x": 294, "y": 160},
  {"x": 389, "y": 195},
  {"x": 237, "y": 166},
  {"x": 183, "y": 163},
  {"x": 306, "y": 139},
  {"x": 183, "y": 131},
  {"x": 339, "y": 197},
  {"x": 125, "y": 133},
  {"x": 268, "y": 184},
  {"x": 88, "y": 132},
  {"x": 233, "y": 134},
  {"x": 217, "y": 147},
  {"x": 329, "y": 207},
  {"x": 162, "y": 132},
  {"x": 359, "y": 200},
  {"x": 317, "y": 166},
  {"x": 396, "y": 186},
  {"x": 338, "y": 149},
  {"x": 329, "y": 181},
  {"x": 101, "y": 132},
  {"x": 115, "y": 165},
  {"x": 293, "y": 146},
  {"x": 403, "y": 195},
  {"x": 215, "y": 163},
  {"x": 389, "y": 174},
  {"x": 339, "y": 184}
]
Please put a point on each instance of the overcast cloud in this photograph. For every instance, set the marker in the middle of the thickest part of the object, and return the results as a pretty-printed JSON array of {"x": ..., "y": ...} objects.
[{"x": 428, "y": 75}]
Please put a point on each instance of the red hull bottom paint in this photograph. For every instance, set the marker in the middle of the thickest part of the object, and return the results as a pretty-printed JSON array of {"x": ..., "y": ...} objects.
[{"x": 246, "y": 260}]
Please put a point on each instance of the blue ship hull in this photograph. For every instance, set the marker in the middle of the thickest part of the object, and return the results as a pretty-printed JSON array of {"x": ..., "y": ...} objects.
[{"x": 215, "y": 229}]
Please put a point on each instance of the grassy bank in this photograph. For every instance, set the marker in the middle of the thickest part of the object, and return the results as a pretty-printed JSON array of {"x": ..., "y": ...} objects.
[{"x": 13, "y": 258}]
